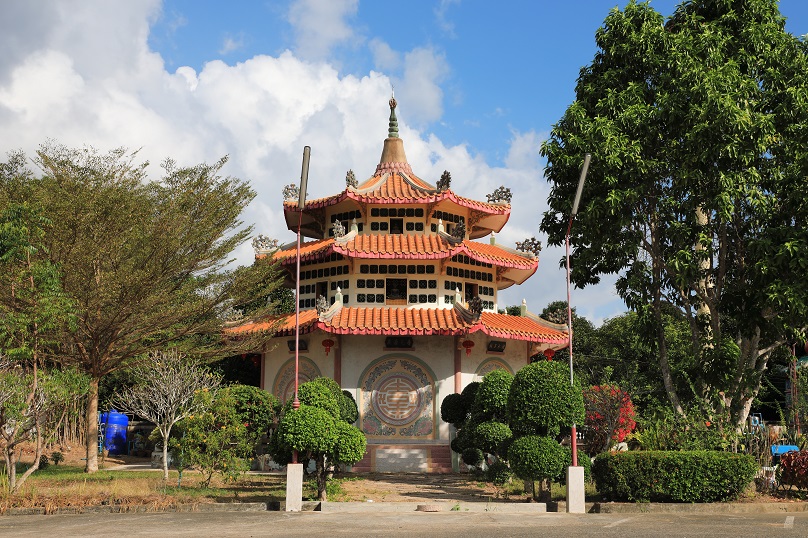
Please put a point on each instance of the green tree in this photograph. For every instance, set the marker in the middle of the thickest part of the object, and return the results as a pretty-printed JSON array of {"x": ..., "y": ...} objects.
[
  {"x": 216, "y": 440},
  {"x": 32, "y": 406},
  {"x": 542, "y": 400},
  {"x": 320, "y": 430},
  {"x": 697, "y": 128},
  {"x": 143, "y": 262}
]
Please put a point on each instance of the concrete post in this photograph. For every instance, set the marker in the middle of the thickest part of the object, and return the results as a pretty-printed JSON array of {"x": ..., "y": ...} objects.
[
  {"x": 576, "y": 499},
  {"x": 294, "y": 487}
]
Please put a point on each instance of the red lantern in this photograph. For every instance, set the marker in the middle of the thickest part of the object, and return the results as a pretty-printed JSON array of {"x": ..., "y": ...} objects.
[
  {"x": 549, "y": 353},
  {"x": 468, "y": 344},
  {"x": 328, "y": 344}
]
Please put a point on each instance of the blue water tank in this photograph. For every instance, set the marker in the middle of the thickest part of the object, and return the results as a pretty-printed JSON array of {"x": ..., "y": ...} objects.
[{"x": 115, "y": 431}]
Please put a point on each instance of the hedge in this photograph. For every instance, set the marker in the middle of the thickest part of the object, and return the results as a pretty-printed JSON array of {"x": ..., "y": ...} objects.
[{"x": 673, "y": 476}]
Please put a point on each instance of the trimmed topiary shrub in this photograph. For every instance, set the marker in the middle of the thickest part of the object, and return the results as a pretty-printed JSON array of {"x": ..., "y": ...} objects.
[
  {"x": 453, "y": 409},
  {"x": 491, "y": 398},
  {"x": 536, "y": 458},
  {"x": 492, "y": 437},
  {"x": 673, "y": 476},
  {"x": 542, "y": 400},
  {"x": 318, "y": 394},
  {"x": 350, "y": 444}
]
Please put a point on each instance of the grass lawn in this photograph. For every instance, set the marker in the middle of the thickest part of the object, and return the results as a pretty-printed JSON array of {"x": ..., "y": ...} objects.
[{"x": 68, "y": 486}]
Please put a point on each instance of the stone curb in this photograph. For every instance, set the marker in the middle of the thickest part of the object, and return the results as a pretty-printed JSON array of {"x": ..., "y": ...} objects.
[
  {"x": 696, "y": 508},
  {"x": 436, "y": 507}
]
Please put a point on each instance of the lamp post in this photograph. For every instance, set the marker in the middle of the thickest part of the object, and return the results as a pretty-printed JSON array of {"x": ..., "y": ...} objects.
[
  {"x": 301, "y": 203},
  {"x": 584, "y": 169}
]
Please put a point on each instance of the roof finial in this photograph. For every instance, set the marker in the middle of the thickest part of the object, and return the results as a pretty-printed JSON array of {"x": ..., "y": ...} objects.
[{"x": 392, "y": 131}]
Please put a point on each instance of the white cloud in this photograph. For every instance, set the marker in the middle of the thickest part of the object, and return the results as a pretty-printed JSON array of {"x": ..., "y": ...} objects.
[
  {"x": 419, "y": 85},
  {"x": 231, "y": 44},
  {"x": 107, "y": 89},
  {"x": 384, "y": 57},
  {"x": 319, "y": 25},
  {"x": 440, "y": 11}
]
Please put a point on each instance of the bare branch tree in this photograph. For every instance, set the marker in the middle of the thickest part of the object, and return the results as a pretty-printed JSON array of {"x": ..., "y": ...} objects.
[{"x": 166, "y": 391}]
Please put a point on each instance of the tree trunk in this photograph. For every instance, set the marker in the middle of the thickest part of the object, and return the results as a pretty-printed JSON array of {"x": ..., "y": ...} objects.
[
  {"x": 11, "y": 466},
  {"x": 91, "y": 443},
  {"x": 37, "y": 454},
  {"x": 165, "y": 455},
  {"x": 321, "y": 478}
]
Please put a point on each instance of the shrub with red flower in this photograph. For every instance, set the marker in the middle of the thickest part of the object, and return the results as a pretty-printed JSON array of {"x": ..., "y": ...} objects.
[{"x": 609, "y": 417}]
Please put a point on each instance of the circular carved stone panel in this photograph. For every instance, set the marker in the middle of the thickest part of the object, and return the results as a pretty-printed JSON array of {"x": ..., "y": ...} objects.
[{"x": 396, "y": 399}]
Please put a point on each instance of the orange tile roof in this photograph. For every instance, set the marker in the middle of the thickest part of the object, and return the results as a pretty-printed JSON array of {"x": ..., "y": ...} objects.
[
  {"x": 520, "y": 328},
  {"x": 395, "y": 321},
  {"x": 400, "y": 188},
  {"x": 284, "y": 324},
  {"x": 414, "y": 322},
  {"x": 409, "y": 246}
]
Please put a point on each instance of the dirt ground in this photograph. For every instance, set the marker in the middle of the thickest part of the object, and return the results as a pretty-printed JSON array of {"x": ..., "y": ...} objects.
[{"x": 412, "y": 487}]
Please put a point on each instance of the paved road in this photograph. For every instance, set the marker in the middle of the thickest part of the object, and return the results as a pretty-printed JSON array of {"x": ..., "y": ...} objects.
[{"x": 411, "y": 525}]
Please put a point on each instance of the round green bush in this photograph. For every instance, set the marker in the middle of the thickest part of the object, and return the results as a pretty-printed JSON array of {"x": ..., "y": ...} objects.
[
  {"x": 492, "y": 437},
  {"x": 453, "y": 409},
  {"x": 308, "y": 429},
  {"x": 350, "y": 444},
  {"x": 316, "y": 393},
  {"x": 535, "y": 457},
  {"x": 491, "y": 398},
  {"x": 469, "y": 392},
  {"x": 473, "y": 457},
  {"x": 542, "y": 400}
]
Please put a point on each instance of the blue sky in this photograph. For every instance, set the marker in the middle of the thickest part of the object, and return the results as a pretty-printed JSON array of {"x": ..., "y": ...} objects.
[{"x": 479, "y": 85}]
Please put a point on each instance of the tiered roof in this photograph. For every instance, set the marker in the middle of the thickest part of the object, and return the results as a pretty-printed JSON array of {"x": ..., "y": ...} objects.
[
  {"x": 415, "y": 322},
  {"x": 514, "y": 266}
]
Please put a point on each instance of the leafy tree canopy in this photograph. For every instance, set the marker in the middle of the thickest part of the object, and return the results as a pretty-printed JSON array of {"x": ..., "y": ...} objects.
[{"x": 698, "y": 127}]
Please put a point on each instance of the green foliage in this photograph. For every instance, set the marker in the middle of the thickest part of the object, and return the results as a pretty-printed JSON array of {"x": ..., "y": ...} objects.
[
  {"x": 535, "y": 457},
  {"x": 499, "y": 473},
  {"x": 216, "y": 440},
  {"x": 473, "y": 457},
  {"x": 469, "y": 392},
  {"x": 453, "y": 409},
  {"x": 348, "y": 410},
  {"x": 696, "y": 430},
  {"x": 44, "y": 462},
  {"x": 678, "y": 476},
  {"x": 143, "y": 264},
  {"x": 316, "y": 434},
  {"x": 542, "y": 400},
  {"x": 319, "y": 394},
  {"x": 697, "y": 126},
  {"x": 491, "y": 398},
  {"x": 309, "y": 430},
  {"x": 492, "y": 437},
  {"x": 350, "y": 444},
  {"x": 257, "y": 409},
  {"x": 57, "y": 457}
]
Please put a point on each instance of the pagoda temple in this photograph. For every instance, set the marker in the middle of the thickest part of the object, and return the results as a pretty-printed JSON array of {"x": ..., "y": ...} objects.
[{"x": 398, "y": 304}]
